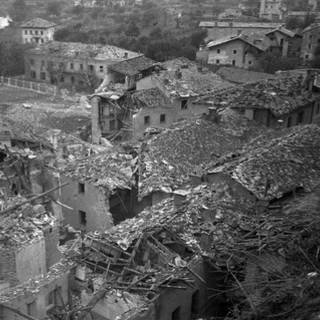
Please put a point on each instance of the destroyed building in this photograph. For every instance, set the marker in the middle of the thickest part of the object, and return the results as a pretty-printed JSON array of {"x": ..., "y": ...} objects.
[
  {"x": 271, "y": 169},
  {"x": 129, "y": 115},
  {"x": 169, "y": 159},
  {"x": 282, "y": 101},
  {"x": 98, "y": 191}
]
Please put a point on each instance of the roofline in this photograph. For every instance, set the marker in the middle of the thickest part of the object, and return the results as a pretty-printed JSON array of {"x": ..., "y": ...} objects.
[{"x": 236, "y": 38}]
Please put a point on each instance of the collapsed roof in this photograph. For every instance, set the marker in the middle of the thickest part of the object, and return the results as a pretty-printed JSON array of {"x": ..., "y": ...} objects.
[
  {"x": 167, "y": 159},
  {"x": 276, "y": 167}
]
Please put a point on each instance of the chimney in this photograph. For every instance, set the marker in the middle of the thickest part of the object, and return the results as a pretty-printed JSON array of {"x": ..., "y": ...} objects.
[
  {"x": 199, "y": 68},
  {"x": 239, "y": 32},
  {"x": 179, "y": 196},
  {"x": 201, "y": 47},
  {"x": 126, "y": 55}
]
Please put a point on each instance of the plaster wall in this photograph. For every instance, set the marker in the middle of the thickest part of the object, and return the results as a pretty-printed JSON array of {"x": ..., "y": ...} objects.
[
  {"x": 51, "y": 237},
  {"x": 31, "y": 260},
  {"x": 225, "y": 54},
  {"x": 310, "y": 40},
  {"x": 94, "y": 201}
]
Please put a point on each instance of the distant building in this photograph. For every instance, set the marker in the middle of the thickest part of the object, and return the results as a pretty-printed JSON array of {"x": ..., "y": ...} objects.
[
  {"x": 271, "y": 9},
  {"x": 37, "y": 31},
  {"x": 310, "y": 40},
  {"x": 239, "y": 51},
  {"x": 72, "y": 63},
  {"x": 222, "y": 29}
]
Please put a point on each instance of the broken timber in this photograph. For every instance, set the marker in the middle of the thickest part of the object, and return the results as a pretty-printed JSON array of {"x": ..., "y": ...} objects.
[
  {"x": 17, "y": 311},
  {"x": 32, "y": 199}
]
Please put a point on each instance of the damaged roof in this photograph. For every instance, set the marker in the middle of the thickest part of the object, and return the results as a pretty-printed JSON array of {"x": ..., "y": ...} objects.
[
  {"x": 150, "y": 98},
  {"x": 132, "y": 66},
  {"x": 243, "y": 76},
  {"x": 109, "y": 169},
  {"x": 222, "y": 24},
  {"x": 79, "y": 50},
  {"x": 185, "y": 78},
  {"x": 38, "y": 23},
  {"x": 283, "y": 30},
  {"x": 21, "y": 226},
  {"x": 280, "y": 95},
  {"x": 168, "y": 158},
  {"x": 279, "y": 166}
]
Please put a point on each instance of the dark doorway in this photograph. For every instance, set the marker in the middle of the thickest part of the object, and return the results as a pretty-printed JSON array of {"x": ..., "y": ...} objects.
[{"x": 176, "y": 314}]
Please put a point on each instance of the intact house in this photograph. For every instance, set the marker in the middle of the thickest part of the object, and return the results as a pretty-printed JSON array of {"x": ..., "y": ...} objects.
[
  {"x": 37, "y": 30},
  {"x": 129, "y": 115},
  {"x": 269, "y": 169},
  {"x": 182, "y": 81},
  {"x": 127, "y": 72},
  {"x": 73, "y": 64},
  {"x": 222, "y": 29},
  {"x": 310, "y": 40},
  {"x": 98, "y": 194},
  {"x": 280, "y": 102},
  {"x": 271, "y": 9},
  {"x": 239, "y": 51}
]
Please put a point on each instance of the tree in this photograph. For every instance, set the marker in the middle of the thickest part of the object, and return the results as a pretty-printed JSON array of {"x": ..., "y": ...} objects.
[
  {"x": 54, "y": 8},
  {"x": 18, "y": 10},
  {"x": 293, "y": 23},
  {"x": 132, "y": 30}
]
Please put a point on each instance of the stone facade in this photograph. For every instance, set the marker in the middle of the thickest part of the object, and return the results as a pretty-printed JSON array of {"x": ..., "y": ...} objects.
[{"x": 310, "y": 40}]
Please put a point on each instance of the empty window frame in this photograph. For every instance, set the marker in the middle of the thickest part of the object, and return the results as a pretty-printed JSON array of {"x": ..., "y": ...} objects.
[
  {"x": 71, "y": 66},
  {"x": 112, "y": 124},
  {"x": 91, "y": 67},
  {"x": 233, "y": 62},
  {"x": 234, "y": 51},
  {"x": 162, "y": 118},
  {"x": 81, "y": 187},
  {"x": 32, "y": 308},
  {"x": 82, "y": 218},
  {"x": 218, "y": 50},
  {"x": 176, "y": 314},
  {"x": 147, "y": 120},
  {"x": 217, "y": 61},
  {"x": 195, "y": 307},
  {"x": 184, "y": 104},
  {"x": 101, "y": 68},
  {"x": 42, "y": 75}
]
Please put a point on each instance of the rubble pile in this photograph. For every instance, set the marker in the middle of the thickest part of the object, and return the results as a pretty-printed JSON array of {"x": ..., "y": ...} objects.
[
  {"x": 167, "y": 159},
  {"x": 24, "y": 225},
  {"x": 110, "y": 169}
]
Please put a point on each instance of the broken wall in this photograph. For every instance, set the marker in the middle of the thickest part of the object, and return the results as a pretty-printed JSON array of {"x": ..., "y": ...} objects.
[
  {"x": 31, "y": 260},
  {"x": 38, "y": 303},
  {"x": 8, "y": 266},
  {"x": 90, "y": 202},
  {"x": 51, "y": 237}
]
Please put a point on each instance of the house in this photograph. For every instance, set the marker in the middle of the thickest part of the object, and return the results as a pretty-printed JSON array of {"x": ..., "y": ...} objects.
[
  {"x": 164, "y": 166},
  {"x": 129, "y": 115},
  {"x": 182, "y": 81},
  {"x": 37, "y": 30},
  {"x": 284, "y": 42},
  {"x": 271, "y": 169},
  {"x": 239, "y": 51},
  {"x": 72, "y": 63},
  {"x": 280, "y": 102},
  {"x": 98, "y": 194},
  {"x": 127, "y": 72},
  {"x": 310, "y": 41},
  {"x": 271, "y": 9},
  {"x": 222, "y": 29}
]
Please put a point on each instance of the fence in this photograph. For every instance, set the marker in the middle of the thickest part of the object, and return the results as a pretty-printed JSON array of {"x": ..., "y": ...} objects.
[{"x": 29, "y": 85}]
